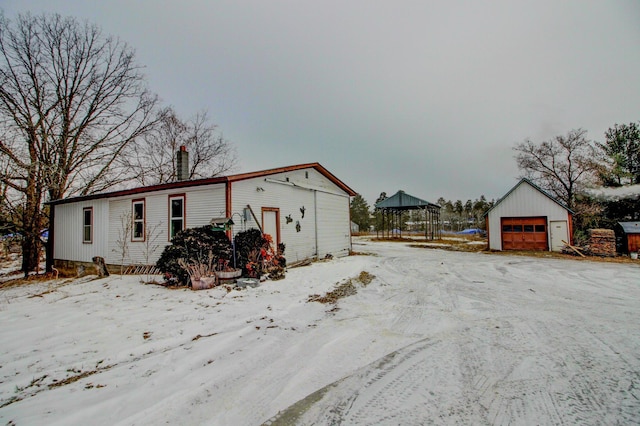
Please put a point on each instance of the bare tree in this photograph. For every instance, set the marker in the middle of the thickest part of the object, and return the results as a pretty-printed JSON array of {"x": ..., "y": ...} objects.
[
  {"x": 151, "y": 244},
  {"x": 154, "y": 158},
  {"x": 71, "y": 101},
  {"x": 122, "y": 242},
  {"x": 562, "y": 165}
]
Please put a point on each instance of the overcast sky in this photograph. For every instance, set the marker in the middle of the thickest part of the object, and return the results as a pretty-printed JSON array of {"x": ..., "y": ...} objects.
[{"x": 425, "y": 96}]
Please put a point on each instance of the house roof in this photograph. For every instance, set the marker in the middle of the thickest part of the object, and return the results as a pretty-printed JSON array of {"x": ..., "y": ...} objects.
[
  {"x": 630, "y": 227},
  {"x": 209, "y": 181},
  {"x": 533, "y": 185},
  {"x": 403, "y": 201}
]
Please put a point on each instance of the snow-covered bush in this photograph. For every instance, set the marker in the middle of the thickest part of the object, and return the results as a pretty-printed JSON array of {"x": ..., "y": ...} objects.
[
  {"x": 256, "y": 256},
  {"x": 193, "y": 246}
]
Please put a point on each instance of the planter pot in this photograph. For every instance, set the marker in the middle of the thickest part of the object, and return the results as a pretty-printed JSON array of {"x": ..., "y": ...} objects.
[
  {"x": 204, "y": 283},
  {"x": 229, "y": 275},
  {"x": 634, "y": 255}
]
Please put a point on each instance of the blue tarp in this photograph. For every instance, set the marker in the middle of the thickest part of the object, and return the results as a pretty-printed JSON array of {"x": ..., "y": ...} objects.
[{"x": 471, "y": 231}]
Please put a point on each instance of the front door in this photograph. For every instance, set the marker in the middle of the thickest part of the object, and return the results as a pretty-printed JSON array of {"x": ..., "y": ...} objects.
[
  {"x": 271, "y": 224},
  {"x": 558, "y": 230}
]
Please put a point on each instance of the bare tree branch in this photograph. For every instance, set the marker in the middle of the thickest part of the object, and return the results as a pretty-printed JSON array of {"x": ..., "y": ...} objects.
[
  {"x": 71, "y": 102},
  {"x": 209, "y": 153},
  {"x": 562, "y": 165}
]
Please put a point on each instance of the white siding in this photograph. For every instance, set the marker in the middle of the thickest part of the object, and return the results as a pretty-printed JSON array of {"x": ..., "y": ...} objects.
[
  {"x": 317, "y": 235},
  {"x": 289, "y": 200},
  {"x": 204, "y": 204},
  {"x": 68, "y": 226},
  {"x": 523, "y": 201},
  {"x": 201, "y": 204},
  {"x": 289, "y": 192},
  {"x": 334, "y": 227}
]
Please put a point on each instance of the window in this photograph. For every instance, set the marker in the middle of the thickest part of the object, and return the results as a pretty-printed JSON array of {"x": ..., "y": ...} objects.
[
  {"x": 540, "y": 228},
  {"x": 137, "y": 215},
  {"x": 87, "y": 225},
  {"x": 528, "y": 228},
  {"x": 176, "y": 215}
]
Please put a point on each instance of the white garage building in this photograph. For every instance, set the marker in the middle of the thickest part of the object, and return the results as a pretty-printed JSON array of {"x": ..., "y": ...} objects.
[
  {"x": 527, "y": 218},
  {"x": 304, "y": 206}
]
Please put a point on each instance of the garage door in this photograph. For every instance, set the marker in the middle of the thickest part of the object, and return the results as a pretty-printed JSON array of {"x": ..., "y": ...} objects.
[{"x": 524, "y": 233}]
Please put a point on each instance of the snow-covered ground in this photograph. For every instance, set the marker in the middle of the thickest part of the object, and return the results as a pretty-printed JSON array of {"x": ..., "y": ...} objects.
[{"x": 437, "y": 337}]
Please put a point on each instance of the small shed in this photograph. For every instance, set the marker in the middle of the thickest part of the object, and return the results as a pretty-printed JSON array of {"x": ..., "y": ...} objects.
[
  {"x": 630, "y": 236},
  {"x": 527, "y": 218}
]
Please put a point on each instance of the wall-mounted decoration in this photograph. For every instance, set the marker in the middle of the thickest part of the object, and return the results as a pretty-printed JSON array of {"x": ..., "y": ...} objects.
[
  {"x": 289, "y": 219},
  {"x": 302, "y": 210},
  {"x": 298, "y": 226}
]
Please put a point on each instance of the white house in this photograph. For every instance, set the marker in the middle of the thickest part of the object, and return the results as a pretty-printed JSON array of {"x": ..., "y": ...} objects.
[
  {"x": 304, "y": 206},
  {"x": 527, "y": 218}
]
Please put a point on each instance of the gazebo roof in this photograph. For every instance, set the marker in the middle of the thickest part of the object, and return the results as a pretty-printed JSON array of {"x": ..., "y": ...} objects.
[{"x": 403, "y": 201}]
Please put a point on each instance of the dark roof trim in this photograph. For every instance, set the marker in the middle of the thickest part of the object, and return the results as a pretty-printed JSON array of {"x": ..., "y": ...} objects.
[
  {"x": 630, "y": 227},
  {"x": 403, "y": 201},
  {"x": 209, "y": 181},
  {"x": 542, "y": 191}
]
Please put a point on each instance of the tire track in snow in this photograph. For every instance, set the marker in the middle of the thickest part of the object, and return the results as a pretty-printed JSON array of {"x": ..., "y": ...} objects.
[
  {"x": 501, "y": 348},
  {"x": 495, "y": 371}
]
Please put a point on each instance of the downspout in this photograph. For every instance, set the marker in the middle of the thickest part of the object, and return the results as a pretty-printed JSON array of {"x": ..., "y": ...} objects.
[
  {"x": 350, "y": 237},
  {"x": 486, "y": 225},
  {"x": 49, "y": 250},
  {"x": 315, "y": 212},
  {"x": 228, "y": 206}
]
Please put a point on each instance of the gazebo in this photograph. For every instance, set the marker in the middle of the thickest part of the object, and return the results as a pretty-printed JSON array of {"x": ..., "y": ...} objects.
[{"x": 393, "y": 207}]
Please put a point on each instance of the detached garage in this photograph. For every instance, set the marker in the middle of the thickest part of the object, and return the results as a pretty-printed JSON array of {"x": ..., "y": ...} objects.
[{"x": 527, "y": 218}]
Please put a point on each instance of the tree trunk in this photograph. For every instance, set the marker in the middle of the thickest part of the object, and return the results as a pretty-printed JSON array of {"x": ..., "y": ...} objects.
[
  {"x": 31, "y": 228},
  {"x": 30, "y": 252}
]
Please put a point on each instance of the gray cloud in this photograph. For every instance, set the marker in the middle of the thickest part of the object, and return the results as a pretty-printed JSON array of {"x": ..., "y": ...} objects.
[{"x": 428, "y": 97}]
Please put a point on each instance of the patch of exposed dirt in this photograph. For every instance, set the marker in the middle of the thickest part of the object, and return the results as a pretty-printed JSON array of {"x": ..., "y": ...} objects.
[
  {"x": 20, "y": 279},
  {"x": 344, "y": 289},
  {"x": 452, "y": 243},
  {"x": 473, "y": 245},
  {"x": 557, "y": 255},
  {"x": 38, "y": 385}
]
